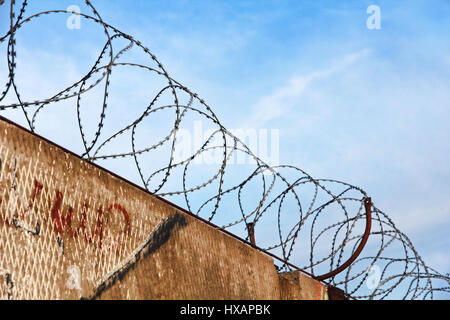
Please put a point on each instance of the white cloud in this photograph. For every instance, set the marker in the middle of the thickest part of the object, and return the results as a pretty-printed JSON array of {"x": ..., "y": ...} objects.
[{"x": 281, "y": 100}]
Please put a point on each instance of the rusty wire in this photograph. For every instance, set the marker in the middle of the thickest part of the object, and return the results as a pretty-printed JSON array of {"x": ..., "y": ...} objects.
[{"x": 328, "y": 221}]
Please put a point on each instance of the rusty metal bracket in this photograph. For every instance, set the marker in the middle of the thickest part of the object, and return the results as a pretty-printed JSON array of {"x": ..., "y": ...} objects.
[
  {"x": 251, "y": 232},
  {"x": 368, "y": 208}
]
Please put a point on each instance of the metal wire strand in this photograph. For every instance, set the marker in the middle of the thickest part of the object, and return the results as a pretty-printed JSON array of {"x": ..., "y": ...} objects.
[{"x": 321, "y": 218}]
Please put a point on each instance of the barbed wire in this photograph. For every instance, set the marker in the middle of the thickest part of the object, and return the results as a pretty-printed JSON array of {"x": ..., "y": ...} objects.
[{"x": 319, "y": 222}]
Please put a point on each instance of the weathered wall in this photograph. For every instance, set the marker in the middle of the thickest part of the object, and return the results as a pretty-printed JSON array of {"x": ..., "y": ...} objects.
[
  {"x": 69, "y": 229},
  {"x": 295, "y": 285}
]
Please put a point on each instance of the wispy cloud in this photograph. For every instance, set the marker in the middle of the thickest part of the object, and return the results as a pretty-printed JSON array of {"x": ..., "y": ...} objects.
[{"x": 282, "y": 99}]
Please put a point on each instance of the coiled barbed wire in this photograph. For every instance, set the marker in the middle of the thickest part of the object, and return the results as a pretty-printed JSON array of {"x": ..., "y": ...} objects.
[{"x": 318, "y": 221}]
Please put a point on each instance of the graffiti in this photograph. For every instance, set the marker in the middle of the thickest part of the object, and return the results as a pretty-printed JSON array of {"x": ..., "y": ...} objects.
[
  {"x": 18, "y": 219},
  {"x": 64, "y": 216},
  {"x": 6, "y": 285},
  {"x": 161, "y": 234},
  {"x": 63, "y": 223}
]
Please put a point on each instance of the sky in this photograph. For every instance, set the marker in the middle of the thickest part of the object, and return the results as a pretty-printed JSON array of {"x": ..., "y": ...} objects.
[{"x": 370, "y": 107}]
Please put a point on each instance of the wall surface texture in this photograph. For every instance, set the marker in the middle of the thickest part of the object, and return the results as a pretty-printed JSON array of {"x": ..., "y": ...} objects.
[{"x": 70, "y": 230}]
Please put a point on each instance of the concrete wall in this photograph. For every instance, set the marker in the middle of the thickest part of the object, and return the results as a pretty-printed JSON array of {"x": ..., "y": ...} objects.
[
  {"x": 71, "y": 230},
  {"x": 295, "y": 285}
]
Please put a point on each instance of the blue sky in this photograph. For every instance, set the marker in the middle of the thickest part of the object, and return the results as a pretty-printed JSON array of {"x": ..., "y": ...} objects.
[{"x": 368, "y": 107}]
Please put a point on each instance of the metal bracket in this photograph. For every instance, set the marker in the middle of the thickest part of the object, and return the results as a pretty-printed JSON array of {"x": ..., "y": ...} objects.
[{"x": 368, "y": 207}]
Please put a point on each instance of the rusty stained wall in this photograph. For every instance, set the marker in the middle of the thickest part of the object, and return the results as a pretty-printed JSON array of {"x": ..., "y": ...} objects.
[{"x": 71, "y": 230}]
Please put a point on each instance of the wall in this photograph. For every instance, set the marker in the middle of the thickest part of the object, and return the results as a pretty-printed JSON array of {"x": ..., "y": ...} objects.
[{"x": 70, "y": 230}]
